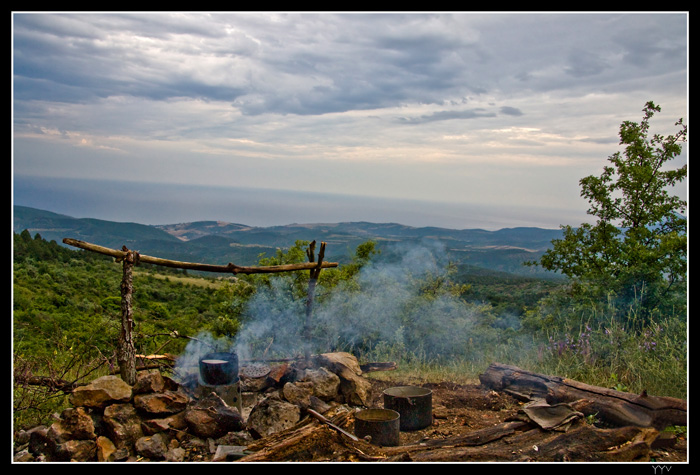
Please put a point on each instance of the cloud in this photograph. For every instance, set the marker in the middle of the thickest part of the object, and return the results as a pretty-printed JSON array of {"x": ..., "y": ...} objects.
[
  {"x": 332, "y": 102},
  {"x": 447, "y": 115}
]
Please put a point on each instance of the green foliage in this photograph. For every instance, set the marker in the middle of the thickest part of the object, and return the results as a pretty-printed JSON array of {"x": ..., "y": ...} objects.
[
  {"x": 64, "y": 293},
  {"x": 434, "y": 318},
  {"x": 637, "y": 249},
  {"x": 631, "y": 358}
]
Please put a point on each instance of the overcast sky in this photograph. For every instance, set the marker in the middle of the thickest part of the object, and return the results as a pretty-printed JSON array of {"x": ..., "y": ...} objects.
[{"x": 475, "y": 108}]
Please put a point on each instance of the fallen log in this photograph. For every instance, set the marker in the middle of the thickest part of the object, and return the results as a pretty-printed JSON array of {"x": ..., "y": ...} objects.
[{"x": 616, "y": 408}]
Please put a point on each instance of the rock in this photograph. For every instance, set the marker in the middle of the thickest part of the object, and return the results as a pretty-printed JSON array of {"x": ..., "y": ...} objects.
[
  {"x": 255, "y": 384},
  {"x": 356, "y": 391},
  {"x": 176, "y": 422},
  {"x": 105, "y": 449},
  {"x": 298, "y": 393},
  {"x": 157, "y": 420},
  {"x": 38, "y": 440},
  {"x": 212, "y": 417},
  {"x": 176, "y": 454},
  {"x": 123, "y": 425},
  {"x": 101, "y": 392},
  {"x": 152, "y": 447},
  {"x": 74, "y": 451},
  {"x": 272, "y": 415},
  {"x": 149, "y": 382},
  {"x": 353, "y": 387},
  {"x": 23, "y": 456},
  {"x": 318, "y": 405},
  {"x": 170, "y": 383},
  {"x": 74, "y": 423},
  {"x": 324, "y": 383},
  {"x": 227, "y": 453},
  {"x": 168, "y": 402},
  {"x": 21, "y": 437}
]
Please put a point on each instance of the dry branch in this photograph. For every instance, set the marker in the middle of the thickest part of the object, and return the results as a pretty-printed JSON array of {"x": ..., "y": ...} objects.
[
  {"x": 229, "y": 268},
  {"x": 53, "y": 384}
]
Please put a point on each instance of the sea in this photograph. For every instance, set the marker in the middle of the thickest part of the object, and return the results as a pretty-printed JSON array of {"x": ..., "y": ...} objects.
[{"x": 163, "y": 203}]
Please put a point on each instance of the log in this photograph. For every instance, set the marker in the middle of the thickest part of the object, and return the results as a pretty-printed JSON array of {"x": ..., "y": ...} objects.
[{"x": 616, "y": 408}]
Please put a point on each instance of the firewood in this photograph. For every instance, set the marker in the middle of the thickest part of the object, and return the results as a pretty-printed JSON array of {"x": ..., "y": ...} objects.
[{"x": 614, "y": 407}]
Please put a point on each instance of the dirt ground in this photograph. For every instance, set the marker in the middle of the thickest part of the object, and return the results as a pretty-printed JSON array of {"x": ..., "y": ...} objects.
[
  {"x": 470, "y": 424},
  {"x": 462, "y": 409},
  {"x": 457, "y": 409}
]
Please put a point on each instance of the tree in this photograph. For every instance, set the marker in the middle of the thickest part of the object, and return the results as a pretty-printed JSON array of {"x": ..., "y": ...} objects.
[{"x": 637, "y": 249}]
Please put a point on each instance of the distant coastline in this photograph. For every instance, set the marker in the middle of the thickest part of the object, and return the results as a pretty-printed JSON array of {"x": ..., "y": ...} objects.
[{"x": 159, "y": 204}]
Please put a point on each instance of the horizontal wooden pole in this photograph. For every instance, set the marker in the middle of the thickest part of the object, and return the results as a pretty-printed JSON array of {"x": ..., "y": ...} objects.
[{"x": 229, "y": 268}]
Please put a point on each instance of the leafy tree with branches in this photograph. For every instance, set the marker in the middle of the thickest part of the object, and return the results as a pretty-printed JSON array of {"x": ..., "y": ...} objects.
[{"x": 636, "y": 252}]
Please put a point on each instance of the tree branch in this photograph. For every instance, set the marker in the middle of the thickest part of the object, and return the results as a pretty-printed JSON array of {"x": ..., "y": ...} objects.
[{"x": 229, "y": 268}]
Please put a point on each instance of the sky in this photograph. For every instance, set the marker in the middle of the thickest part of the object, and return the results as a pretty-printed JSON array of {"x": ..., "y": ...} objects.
[{"x": 430, "y": 118}]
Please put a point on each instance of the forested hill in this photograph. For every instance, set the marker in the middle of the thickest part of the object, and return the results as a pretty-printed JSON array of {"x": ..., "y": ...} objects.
[{"x": 219, "y": 243}]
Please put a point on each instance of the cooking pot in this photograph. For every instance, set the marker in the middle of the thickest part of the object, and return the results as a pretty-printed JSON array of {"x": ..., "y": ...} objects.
[
  {"x": 219, "y": 369},
  {"x": 413, "y": 403},
  {"x": 382, "y": 425}
]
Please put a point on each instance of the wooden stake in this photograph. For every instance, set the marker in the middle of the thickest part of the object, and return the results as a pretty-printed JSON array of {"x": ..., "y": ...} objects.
[
  {"x": 314, "y": 273},
  {"x": 126, "y": 351}
]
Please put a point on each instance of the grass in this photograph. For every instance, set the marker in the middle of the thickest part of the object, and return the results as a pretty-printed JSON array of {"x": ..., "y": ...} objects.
[
  {"x": 651, "y": 359},
  {"x": 184, "y": 279}
]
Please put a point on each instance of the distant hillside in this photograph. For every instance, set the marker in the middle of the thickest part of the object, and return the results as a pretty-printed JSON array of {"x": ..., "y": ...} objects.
[
  {"x": 219, "y": 242},
  {"x": 53, "y": 226}
]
